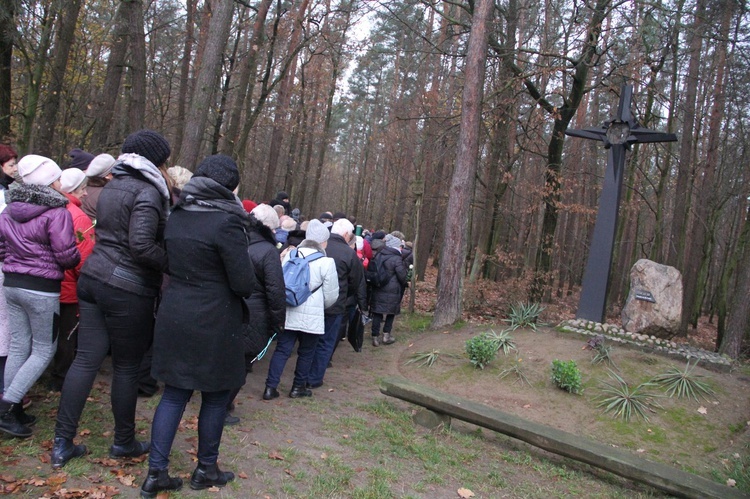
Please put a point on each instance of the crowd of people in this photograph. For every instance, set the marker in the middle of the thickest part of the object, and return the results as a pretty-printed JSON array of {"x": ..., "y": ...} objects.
[{"x": 183, "y": 284}]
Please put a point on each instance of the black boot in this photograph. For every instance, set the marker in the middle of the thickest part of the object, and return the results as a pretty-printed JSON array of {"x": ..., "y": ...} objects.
[
  {"x": 135, "y": 449},
  {"x": 64, "y": 450},
  {"x": 300, "y": 391},
  {"x": 159, "y": 481},
  {"x": 270, "y": 393},
  {"x": 209, "y": 475},
  {"x": 9, "y": 422},
  {"x": 23, "y": 418}
]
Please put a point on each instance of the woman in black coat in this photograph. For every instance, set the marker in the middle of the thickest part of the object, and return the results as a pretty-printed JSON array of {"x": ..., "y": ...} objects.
[
  {"x": 198, "y": 341},
  {"x": 385, "y": 300},
  {"x": 267, "y": 305}
]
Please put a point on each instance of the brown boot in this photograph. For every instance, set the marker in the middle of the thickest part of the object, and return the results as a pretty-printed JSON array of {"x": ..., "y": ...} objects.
[{"x": 388, "y": 339}]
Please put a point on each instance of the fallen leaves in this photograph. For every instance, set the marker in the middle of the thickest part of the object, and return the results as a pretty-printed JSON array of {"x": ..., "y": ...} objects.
[
  {"x": 731, "y": 482},
  {"x": 465, "y": 493},
  {"x": 242, "y": 475},
  {"x": 275, "y": 455},
  {"x": 702, "y": 410}
]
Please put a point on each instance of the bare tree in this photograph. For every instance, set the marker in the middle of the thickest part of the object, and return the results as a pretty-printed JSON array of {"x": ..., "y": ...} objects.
[
  {"x": 448, "y": 307},
  {"x": 205, "y": 84}
]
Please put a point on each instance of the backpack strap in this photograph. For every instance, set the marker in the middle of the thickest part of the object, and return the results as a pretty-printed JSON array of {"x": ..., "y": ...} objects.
[{"x": 311, "y": 258}]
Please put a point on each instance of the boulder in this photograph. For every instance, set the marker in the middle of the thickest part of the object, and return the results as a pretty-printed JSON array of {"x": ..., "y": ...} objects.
[{"x": 654, "y": 304}]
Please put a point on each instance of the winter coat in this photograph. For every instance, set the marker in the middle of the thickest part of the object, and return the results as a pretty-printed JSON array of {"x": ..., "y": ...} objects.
[
  {"x": 266, "y": 307},
  {"x": 83, "y": 228},
  {"x": 310, "y": 317},
  {"x": 131, "y": 213},
  {"x": 93, "y": 190},
  {"x": 387, "y": 299},
  {"x": 198, "y": 336},
  {"x": 349, "y": 270},
  {"x": 36, "y": 238}
]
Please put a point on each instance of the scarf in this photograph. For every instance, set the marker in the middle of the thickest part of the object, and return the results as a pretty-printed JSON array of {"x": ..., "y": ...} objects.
[{"x": 136, "y": 162}]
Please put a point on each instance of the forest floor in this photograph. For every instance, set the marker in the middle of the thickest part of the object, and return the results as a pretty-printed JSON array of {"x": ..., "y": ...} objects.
[{"x": 349, "y": 440}]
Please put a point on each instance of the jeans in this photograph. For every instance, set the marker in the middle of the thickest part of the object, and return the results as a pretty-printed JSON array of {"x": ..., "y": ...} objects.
[
  {"x": 284, "y": 346},
  {"x": 167, "y": 419},
  {"x": 32, "y": 321},
  {"x": 377, "y": 319},
  {"x": 324, "y": 349},
  {"x": 67, "y": 342},
  {"x": 110, "y": 319}
]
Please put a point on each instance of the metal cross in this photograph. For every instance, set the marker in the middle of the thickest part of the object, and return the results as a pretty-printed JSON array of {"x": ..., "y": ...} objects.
[{"x": 618, "y": 135}]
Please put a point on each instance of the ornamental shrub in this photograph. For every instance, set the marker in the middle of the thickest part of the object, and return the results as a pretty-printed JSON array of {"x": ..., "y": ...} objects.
[
  {"x": 482, "y": 349},
  {"x": 566, "y": 376}
]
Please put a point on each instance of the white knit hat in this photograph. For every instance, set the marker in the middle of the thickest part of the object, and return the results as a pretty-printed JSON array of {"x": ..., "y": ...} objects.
[
  {"x": 316, "y": 231},
  {"x": 38, "y": 170},
  {"x": 266, "y": 215},
  {"x": 71, "y": 179},
  {"x": 101, "y": 166},
  {"x": 360, "y": 242}
]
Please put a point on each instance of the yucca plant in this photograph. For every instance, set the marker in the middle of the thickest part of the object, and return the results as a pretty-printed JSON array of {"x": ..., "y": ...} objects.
[
  {"x": 524, "y": 315},
  {"x": 503, "y": 340},
  {"x": 624, "y": 401},
  {"x": 683, "y": 383},
  {"x": 427, "y": 358},
  {"x": 601, "y": 351},
  {"x": 516, "y": 368}
]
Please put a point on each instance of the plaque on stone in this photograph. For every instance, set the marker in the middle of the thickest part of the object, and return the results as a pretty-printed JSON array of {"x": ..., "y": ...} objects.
[{"x": 644, "y": 296}]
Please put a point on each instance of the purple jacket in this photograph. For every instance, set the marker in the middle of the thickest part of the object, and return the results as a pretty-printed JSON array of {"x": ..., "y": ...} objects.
[{"x": 37, "y": 242}]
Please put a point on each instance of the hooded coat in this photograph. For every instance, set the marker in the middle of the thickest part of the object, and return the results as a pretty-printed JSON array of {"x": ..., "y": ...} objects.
[
  {"x": 36, "y": 238},
  {"x": 266, "y": 307},
  {"x": 83, "y": 229},
  {"x": 198, "y": 337},
  {"x": 387, "y": 299}
]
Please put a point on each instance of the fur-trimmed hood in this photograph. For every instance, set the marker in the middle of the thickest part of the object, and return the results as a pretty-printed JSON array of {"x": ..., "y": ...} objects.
[
  {"x": 257, "y": 231},
  {"x": 309, "y": 243},
  {"x": 26, "y": 202}
]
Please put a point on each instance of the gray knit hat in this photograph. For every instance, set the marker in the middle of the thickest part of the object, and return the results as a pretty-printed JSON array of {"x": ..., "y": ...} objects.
[
  {"x": 317, "y": 232},
  {"x": 392, "y": 241}
]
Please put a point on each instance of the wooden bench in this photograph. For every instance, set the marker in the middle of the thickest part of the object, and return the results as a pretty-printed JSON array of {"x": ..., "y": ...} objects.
[{"x": 619, "y": 462}]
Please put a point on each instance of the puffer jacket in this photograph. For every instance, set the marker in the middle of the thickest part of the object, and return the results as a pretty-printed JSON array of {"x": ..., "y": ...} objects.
[
  {"x": 267, "y": 305},
  {"x": 310, "y": 317},
  {"x": 83, "y": 229},
  {"x": 36, "y": 238},
  {"x": 387, "y": 298},
  {"x": 130, "y": 217}
]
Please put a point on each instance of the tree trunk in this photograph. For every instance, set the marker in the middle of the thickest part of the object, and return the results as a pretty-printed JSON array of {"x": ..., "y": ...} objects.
[
  {"x": 676, "y": 249},
  {"x": 247, "y": 79},
  {"x": 115, "y": 64},
  {"x": 282, "y": 104},
  {"x": 137, "y": 98},
  {"x": 60, "y": 54},
  {"x": 7, "y": 33},
  {"x": 448, "y": 306},
  {"x": 187, "y": 54},
  {"x": 35, "y": 83},
  {"x": 738, "y": 324},
  {"x": 195, "y": 125}
]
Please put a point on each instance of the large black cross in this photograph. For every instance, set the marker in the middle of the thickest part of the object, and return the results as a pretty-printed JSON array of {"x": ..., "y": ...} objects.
[{"x": 618, "y": 135}]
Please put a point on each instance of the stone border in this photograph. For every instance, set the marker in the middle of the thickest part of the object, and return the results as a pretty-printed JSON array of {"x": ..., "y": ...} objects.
[{"x": 614, "y": 333}]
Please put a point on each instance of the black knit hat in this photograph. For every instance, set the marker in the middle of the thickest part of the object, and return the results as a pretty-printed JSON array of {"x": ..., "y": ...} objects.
[
  {"x": 149, "y": 144},
  {"x": 79, "y": 159},
  {"x": 220, "y": 168}
]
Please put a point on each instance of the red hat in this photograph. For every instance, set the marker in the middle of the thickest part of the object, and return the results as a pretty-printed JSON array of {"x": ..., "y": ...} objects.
[{"x": 248, "y": 205}]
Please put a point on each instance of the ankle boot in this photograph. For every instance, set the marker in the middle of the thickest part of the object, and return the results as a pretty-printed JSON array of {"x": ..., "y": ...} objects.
[
  {"x": 159, "y": 481},
  {"x": 376, "y": 341},
  {"x": 270, "y": 393},
  {"x": 135, "y": 449},
  {"x": 63, "y": 450},
  {"x": 388, "y": 339},
  {"x": 23, "y": 418},
  {"x": 300, "y": 391},
  {"x": 9, "y": 422},
  {"x": 209, "y": 475}
]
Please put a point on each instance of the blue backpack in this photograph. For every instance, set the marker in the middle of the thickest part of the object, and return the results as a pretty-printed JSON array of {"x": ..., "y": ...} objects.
[{"x": 297, "y": 277}]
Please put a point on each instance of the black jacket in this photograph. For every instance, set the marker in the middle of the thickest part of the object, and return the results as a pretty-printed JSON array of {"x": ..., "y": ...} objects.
[
  {"x": 198, "y": 337},
  {"x": 350, "y": 271},
  {"x": 267, "y": 305},
  {"x": 129, "y": 252},
  {"x": 387, "y": 299}
]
